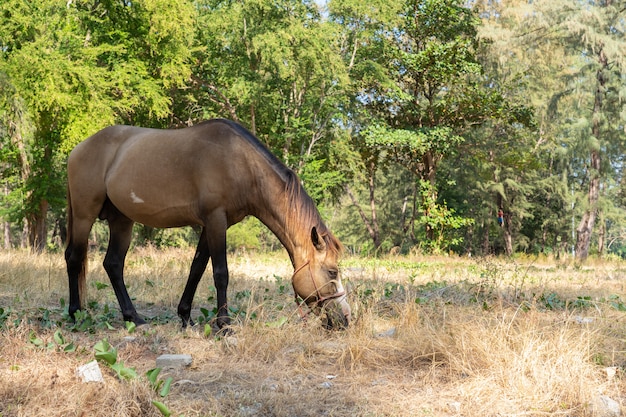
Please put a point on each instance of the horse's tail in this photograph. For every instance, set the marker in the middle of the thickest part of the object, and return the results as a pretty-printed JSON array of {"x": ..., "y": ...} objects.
[{"x": 71, "y": 248}]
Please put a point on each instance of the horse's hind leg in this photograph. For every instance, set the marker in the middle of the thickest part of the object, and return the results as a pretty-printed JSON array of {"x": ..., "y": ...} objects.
[
  {"x": 120, "y": 228},
  {"x": 198, "y": 266},
  {"x": 76, "y": 261}
]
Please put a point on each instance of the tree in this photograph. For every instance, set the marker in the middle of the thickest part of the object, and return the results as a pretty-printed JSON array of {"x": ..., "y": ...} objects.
[
  {"x": 418, "y": 92},
  {"x": 73, "y": 68},
  {"x": 273, "y": 66},
  {"x": 571, "y": 52}
]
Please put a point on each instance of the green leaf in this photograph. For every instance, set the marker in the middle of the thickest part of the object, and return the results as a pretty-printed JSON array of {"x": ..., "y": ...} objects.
[
  {"x": 108, "y": 357},
  {"x": 160, "y": 386},
  {"x": 58, "y": 338},
  {"x": 153, "y": 375},
  {"x": 162, "y": 408},
  {"x": 207, "y": 330},
  {"x": 277, "y": 323},
  {"x": 124, "y": 372},
  {"x": 105, "y": 352},
  {"x": 166, "y": 387},
  {"x": 34, "y": 340},
  {"x": 130, "y": 326}
]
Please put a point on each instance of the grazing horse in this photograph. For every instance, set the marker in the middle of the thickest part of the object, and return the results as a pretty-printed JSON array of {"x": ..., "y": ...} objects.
[{"x": 213, "y": 174}]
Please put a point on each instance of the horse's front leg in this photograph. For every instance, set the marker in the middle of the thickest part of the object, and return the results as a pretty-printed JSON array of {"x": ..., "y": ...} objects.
[
  {"x": 216, "y": 238},
  {"x": 220, "y": 277},
  {"x": 198, "y": 266}
]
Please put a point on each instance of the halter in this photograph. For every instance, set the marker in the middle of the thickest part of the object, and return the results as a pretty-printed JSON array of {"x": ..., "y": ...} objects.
[{"x": 319, "y": 298}]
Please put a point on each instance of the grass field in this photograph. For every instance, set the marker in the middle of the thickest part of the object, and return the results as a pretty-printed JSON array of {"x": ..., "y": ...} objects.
[{"x": 432, "y": 336}]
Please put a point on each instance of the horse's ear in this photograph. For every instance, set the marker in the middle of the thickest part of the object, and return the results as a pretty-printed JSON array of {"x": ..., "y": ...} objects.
[{"x": 317, "y": 240}]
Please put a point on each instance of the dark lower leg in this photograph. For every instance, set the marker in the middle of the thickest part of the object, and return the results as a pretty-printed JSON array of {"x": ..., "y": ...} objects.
[
  {"x": 216, "y": 239},
  {"x": 121, "y": 228},
  {"x": 114, "y": 265},
  {"x": 74, "y": 258},
  {"x": 198, "y": 266},
  {"x": 220, "y": 276}
]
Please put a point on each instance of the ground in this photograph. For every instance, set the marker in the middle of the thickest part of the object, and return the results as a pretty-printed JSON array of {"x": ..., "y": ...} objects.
[{"x": 432, "y": 336}]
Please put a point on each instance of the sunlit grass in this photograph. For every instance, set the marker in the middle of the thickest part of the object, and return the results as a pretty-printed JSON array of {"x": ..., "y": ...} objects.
[{"x": 431, "y": 336}]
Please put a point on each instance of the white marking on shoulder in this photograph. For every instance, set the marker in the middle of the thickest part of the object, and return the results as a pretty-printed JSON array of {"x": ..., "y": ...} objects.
[{"x": 135, "y": 198}]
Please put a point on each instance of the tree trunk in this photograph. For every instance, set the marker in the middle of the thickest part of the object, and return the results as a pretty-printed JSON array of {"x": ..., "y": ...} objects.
[
  {"x": 486, "y": 243},
  {"x": 6, "y": 225},
  {"x": 371, "y": 224},
  {"x": 372, "y": 187},
  {"x": 429, "y": 172},
  {"x": 508, "y": 236},
  {"x": 38, "y": 228},
  {"x": 7, "y": 235},
  {"x": 25, "y": 236},
  {"x": 585, "y": 227},
  {"x": 601, "y": 236}
]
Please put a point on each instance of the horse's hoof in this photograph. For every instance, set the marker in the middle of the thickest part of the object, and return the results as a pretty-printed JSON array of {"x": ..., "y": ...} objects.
[
  {"x": 136, "y": 319},
  {"x": 187, "y": 323},
  {"x": 224, "y": 332}
]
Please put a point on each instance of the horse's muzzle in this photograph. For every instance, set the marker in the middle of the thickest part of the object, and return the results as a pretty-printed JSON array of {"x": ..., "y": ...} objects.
[{"x": 338, "y": 313}]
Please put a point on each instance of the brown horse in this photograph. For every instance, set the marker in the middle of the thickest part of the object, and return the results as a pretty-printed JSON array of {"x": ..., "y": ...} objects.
[{"x": 213, "y": 174}]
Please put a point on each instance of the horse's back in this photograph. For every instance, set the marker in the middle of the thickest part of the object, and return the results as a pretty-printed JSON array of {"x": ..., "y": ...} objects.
[{"x": 162, "y": 177}]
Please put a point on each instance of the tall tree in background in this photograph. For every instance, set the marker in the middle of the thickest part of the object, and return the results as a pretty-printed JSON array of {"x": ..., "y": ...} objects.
[
  {"x": 574, "y": 52},
  {"x": 274, "y": 66},
  {"x": 362, "y": 27},
  {"x": 497, "y": 168},
  {"x": 419, "y": 91},
  {"x": 71, "y": 68},
  {"x": 599, "y": 32}
]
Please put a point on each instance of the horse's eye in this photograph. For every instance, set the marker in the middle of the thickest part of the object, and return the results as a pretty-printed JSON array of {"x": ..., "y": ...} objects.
[{"x": 333, "y": 273}]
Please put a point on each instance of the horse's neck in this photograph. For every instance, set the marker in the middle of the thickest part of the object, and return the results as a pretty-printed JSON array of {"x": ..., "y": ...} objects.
[{"x": 272, "y": 210}]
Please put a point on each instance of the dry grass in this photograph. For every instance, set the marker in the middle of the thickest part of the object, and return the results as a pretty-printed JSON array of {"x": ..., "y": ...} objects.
[{"x": 487, "y": 337}]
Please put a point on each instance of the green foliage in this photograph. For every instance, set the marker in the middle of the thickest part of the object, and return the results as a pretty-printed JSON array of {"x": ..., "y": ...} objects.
[
  {"x": 320, "y": 180},
  {"x": 178, "y": 237},
  {"x": 440, "y": 221},
  {"x": 71, "y": 68},
  {"x": 5, "y": 313},
  {"x": 284, "y": 79},
  {"x": 58, "y": 342},
  {"x": 107, "y": 354},
  {"x": 245, "y": 235},
  {"x": 498, "y": 105},
  {"x": 617, "y": 303},
  {"x": 160, "y": 386},
  {"x": 163, "y": 409},
  {"x": 130, "y": 326}
]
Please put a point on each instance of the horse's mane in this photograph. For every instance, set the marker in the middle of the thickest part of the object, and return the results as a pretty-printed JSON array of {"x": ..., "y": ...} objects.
[{"x": 299, "y": 208}]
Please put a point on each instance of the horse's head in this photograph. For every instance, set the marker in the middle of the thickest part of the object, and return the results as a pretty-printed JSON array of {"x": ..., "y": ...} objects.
[{"x": 317, "y": 283}]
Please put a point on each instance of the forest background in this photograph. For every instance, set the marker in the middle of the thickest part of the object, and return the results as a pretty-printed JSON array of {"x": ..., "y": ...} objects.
[{"x": 473, "y": 127}]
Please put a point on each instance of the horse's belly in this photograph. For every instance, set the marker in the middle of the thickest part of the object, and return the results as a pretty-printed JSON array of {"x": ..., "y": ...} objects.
[{"x": 155, "y": 210}]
